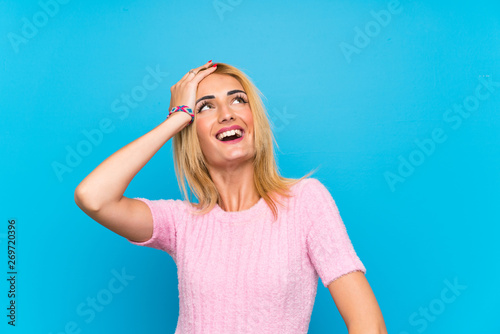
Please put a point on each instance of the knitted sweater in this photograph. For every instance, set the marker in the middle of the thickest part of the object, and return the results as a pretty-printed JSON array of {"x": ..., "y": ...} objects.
[{"x": 239, "y": 272}]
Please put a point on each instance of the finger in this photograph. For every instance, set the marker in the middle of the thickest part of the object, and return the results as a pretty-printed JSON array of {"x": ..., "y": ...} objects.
[
  {"x": 203, "y": 73},
  {"x": 204, "y": 66},
  {"x": 186, "y": 75},
  {"x": 198, "y": 69}
]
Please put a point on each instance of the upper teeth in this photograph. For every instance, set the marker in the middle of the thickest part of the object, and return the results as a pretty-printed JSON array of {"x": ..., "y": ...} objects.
[{"x": 220, "y": 136}]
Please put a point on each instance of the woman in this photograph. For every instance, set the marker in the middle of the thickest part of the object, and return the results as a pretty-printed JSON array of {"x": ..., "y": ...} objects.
[{"x": 250, "y": 252}]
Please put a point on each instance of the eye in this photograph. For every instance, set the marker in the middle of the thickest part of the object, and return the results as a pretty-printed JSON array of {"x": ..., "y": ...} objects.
[
  {"x": 203, "y": 104},
  {"x": 240, "y": 98}
]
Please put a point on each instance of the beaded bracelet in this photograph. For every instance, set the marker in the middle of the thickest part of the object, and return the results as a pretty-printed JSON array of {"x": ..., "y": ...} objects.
[{"x": 182, "y": 108}]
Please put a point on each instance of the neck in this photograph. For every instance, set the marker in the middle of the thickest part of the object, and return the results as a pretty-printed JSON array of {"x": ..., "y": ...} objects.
[{"x": 236, "y": 187}]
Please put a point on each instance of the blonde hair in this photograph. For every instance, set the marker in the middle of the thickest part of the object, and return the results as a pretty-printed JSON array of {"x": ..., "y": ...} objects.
[{"x": 190, "y": 163}]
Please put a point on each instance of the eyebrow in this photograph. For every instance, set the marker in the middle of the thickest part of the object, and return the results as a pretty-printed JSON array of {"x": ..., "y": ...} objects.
[{"x": 208, "y": 97}]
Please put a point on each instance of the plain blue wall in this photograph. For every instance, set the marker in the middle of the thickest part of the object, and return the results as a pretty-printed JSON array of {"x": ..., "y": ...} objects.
[{"x": 376, "y": 104}]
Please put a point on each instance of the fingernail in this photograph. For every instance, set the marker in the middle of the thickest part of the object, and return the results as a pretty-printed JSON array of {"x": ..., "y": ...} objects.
[
  {"x": 215, "y": 65},
  {"x": 210, "y": 60}
]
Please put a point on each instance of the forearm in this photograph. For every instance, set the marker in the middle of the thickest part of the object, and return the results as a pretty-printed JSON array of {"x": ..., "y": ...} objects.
[
  {"x": 368, "y": 329},
  {"x": 370, "y": 322},
  {"x": 108, "y": 181}
]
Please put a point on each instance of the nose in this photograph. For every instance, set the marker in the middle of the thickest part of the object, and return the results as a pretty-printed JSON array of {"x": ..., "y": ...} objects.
[{"x": 226, "y": 114}]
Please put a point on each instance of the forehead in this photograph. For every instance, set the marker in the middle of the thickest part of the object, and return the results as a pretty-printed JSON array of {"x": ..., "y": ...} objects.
[{"x": 216, "y": 84}]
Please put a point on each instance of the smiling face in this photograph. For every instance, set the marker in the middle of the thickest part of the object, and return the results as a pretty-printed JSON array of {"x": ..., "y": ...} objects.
[{"x": 221, "y": 105}]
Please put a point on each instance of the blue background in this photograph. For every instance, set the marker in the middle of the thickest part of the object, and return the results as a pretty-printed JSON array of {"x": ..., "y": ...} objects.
[{"x": 357, "y": 116}]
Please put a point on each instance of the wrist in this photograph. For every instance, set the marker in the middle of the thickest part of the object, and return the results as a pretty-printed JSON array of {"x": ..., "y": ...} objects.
[
  {"x": 183, "y": 109},
  {"x": 179, "y": 119}
]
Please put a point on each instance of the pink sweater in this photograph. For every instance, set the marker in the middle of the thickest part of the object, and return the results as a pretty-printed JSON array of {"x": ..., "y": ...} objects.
[{"x": 238, "y": 273}]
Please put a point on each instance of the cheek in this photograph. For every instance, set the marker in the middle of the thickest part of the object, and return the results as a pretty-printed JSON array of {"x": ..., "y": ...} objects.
[
  {"x": 201, "y": 127},
  {"x": 247, "y": 117},
  {"x": 203, "y": 133}
]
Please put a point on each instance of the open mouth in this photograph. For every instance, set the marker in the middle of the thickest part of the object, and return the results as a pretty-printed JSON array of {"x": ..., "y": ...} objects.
[{"x": 230, "y": 135}]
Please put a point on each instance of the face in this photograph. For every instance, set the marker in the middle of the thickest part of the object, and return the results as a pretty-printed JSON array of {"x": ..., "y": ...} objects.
[{"x": 221, "y": 105}]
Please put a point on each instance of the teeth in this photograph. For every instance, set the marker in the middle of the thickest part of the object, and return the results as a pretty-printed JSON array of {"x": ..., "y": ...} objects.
[{"x": 229, "y": 133}]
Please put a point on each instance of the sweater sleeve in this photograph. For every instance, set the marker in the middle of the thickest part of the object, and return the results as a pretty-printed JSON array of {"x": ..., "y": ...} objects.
[
  {"x": 328, "y": 244},
  {"x": 166, "y": 214}
]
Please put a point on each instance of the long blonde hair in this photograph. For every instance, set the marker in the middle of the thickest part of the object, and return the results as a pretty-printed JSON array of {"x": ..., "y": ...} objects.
[{"x": 190, "y": 163}]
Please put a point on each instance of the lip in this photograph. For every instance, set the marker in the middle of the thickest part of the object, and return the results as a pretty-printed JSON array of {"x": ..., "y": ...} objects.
[
  {"x": 233, "y": 127},
  {"x": 234, "y": 141}
]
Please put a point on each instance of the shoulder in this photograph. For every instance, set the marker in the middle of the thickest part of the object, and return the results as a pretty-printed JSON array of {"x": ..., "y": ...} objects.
[
  {"x": 313, "y": 197},
  {"x": 307, "y": 187},
  {"x": 308, "y": 191}
]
